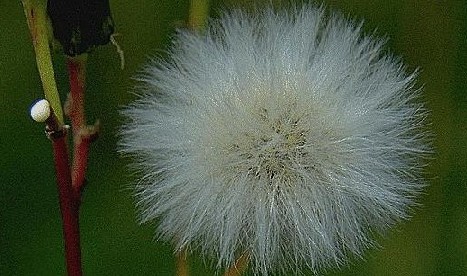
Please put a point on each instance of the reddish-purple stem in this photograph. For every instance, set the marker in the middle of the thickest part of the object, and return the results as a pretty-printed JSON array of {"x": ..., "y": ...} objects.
[
  {"x": 70, "y": 179},
  {"x": 82, "y": 134},
  {"x": 69, "y": 206}
]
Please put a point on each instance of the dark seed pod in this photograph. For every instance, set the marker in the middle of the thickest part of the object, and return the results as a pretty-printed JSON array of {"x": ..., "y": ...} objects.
[{"x": 80, "y": 25}]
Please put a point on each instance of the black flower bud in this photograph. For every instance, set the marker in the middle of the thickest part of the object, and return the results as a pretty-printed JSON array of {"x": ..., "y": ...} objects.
[{"x": 80, "y": 25}]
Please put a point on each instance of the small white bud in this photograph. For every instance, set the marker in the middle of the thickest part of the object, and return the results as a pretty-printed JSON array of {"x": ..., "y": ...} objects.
[{"x": 40, "y": 111}]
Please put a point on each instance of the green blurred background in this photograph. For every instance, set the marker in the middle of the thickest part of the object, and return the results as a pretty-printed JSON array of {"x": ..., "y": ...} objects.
[{"x": 428, "y": 34}]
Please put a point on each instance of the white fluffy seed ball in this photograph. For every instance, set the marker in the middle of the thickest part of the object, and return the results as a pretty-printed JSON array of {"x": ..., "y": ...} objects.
[
  {"x": 289, "y": 135},
  {"x": 40, "y": 111}
]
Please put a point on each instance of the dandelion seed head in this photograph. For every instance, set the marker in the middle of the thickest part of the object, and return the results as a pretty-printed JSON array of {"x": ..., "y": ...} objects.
[{"x": 289, "y": 136}]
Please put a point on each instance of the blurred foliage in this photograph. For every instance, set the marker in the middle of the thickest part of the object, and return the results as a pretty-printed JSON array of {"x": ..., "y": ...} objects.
[{"x": 431, "y": 35}]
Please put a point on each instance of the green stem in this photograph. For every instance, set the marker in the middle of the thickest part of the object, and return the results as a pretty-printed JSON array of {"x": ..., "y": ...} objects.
[
  {"x": 37, "y": 21},
  {"x": 199, "y": 11}
]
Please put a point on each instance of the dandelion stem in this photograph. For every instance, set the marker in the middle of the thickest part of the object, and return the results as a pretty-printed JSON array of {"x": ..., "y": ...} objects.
[
  {"x": 241, "y": 264},
  {"x": 199, "y": 10},
  {"x": 182, "y": 264}
]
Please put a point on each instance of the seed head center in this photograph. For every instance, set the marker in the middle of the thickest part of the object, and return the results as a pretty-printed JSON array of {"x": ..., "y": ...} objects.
[{"x": 277, "y": 150}]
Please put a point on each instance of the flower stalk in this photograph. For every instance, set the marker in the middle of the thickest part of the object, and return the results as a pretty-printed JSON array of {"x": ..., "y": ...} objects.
[
  {"x": 36, "y": 15},
  {"x": 182, "y": 265},
  {"x": 83, "y": 135},
  {"x": 199, "y": 10},
  {"x": 69, "y": 198},
  {"x": 70, "y": 201},
  {"x": 70, "y": 28}
]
